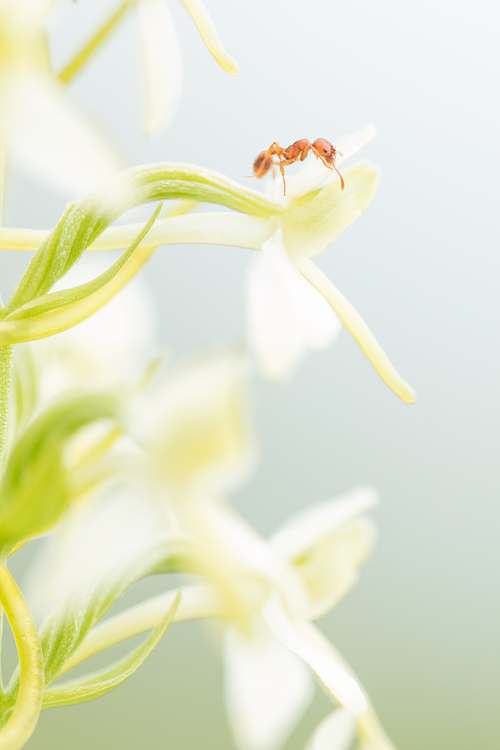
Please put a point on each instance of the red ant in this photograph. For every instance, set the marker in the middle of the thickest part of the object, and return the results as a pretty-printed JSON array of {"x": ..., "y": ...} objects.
[{"x": 298, "y": 151}]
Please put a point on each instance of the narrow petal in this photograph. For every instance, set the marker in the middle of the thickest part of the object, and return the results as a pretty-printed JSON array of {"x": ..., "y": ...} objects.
[
  {"x": 284, "y": 318},
  {"x": 335, "y": 732},
  {"x": 308, "y": 642},
  {"x": 217, "y": 228},
  {"x": 267, "y": 688},
  {"x": 358, "y": 330},
  {"x": 210, "y": 36},
  {"x": 161, "y": 62},
  {"x": 319, "y": 521}
]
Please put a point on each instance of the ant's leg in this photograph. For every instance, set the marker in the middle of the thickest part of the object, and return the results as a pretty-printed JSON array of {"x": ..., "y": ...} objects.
[
  {"x": 330, "y": 165},
  {"x": 305, "y": 151},
  {"x": 282, "y": 170}
]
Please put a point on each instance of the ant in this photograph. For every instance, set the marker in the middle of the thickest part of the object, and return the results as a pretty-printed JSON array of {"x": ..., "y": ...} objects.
[{"x": 298, "y": 151}]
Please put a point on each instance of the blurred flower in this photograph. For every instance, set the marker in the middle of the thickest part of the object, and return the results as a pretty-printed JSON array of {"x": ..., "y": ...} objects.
[
  {"x": 159, "y": 50},
  {"x": 201, "y": 444},
  {"x": 161, "y": 58},
  {"x": 335, "y": 732},
  {"x": 41, "y": 129}
]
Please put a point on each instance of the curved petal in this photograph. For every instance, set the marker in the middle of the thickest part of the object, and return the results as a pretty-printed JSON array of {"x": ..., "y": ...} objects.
[
  {"x": 358, "y": 330},
  {"x": 331, "y": 568},
  {"x": 284, "y": 317},
  {"x": 267, "y": 688},
  {"x": 335, "y": 732},
  {"x": 312, "y": 221},
  {"x": 308, "y": 642},
  {"x": 318, "y": 522},
  {"x": 161, "y": 62},
  {"x": 209, "y": 35}
]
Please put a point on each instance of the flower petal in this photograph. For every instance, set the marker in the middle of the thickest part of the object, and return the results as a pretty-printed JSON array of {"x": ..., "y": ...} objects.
[
  {"x": 312, "y": 221},
  {"x": 330, "y": 570},
  {"x": 335, "y": 732},
  {"x": 200, "y": 429},
  {"x": 284, "y": 318},
  {"x": 49, "y": 137},
  {"x": 209, "y": 34},
  {"x": 161, "y": 62},
  {"x": 319, "y": 521},
  {"x": 315, "y": 172},
  {"x": 267, "y": 688},
  {"x": 358, "y": 330},
  {"x": 308, "y": 642}
]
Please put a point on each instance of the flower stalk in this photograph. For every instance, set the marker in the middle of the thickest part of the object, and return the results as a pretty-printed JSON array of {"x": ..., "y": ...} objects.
[{"x": 22, "y": 721}]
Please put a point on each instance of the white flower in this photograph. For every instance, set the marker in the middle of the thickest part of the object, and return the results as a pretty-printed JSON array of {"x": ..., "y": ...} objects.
[
  {"x": 292, "y": 306},
  {"x": 43, "y": 131}
]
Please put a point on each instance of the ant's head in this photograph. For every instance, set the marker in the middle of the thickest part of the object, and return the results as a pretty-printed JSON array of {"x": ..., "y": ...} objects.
[{"x": 325, "y": 151}]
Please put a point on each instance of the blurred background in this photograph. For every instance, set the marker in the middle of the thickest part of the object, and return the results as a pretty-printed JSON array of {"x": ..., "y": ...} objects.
[{"x": 422, "y": 266}]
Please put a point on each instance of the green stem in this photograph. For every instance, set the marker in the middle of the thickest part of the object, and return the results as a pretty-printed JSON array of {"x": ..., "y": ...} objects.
[
  {"x": 23, "y": 719},
  {"x": 93, "y": 44},
  {"x": 6, "y": 367}
]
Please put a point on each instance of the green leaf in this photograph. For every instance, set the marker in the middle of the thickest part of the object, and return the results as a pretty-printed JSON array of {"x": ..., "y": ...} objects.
[
  {"x": 56, "y": 312},
  {"x": 99, "y": 683},
  {"x": 65, "y": 297},
  {"x": 83, "y": 222},
  {"x": 34, "y": 490},
  {"x": 67, "y": 626}
]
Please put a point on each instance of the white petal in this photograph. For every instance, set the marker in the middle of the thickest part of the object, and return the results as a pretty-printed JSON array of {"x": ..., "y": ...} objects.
[
  {"x": 309, "y": 643},
  {"x": 306, "y": 529},
  {"x": 322, "y": 325},
  {"x": 91, "y": 543},
  {"x": 113, "y": 346},
  {"x": 267, "y": 689},
  {"x": 30, "y": 12},
  {"x": 315, "y": 173},
  {"x": 50, "y": 138},
  {"x": 351, "y": 144},
  {"x": 335, "y": 732},
  {"x": 331, "y": 568},
  {"x": 161, "y": 62},
  {"x": 199, "y": 426},
  {"x": 284, "y": 318}
]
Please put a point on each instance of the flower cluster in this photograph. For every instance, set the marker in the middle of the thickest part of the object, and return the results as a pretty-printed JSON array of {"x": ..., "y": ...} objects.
[{"x": 129, "y": 477}]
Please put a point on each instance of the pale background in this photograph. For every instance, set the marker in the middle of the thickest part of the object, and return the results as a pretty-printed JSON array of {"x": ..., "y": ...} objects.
[{"x": 422, "y": 627}]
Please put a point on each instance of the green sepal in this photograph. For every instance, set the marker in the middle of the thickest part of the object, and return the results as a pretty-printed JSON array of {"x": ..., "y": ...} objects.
[
  {"x": 99, "y": 683},
  {"x": 34, "y": 489}
]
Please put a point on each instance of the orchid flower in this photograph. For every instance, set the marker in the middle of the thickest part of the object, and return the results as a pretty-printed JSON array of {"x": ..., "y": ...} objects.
[
  {"x": 159, "y": 52},
  {"x": 40, "y": 128},
  {"x": 292, "y": 304}
]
